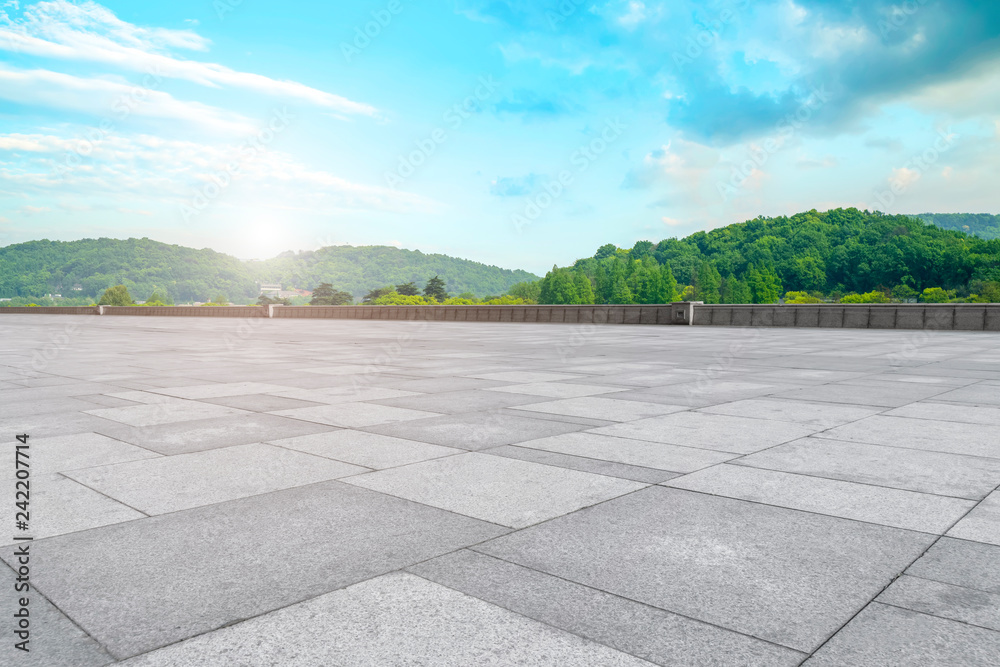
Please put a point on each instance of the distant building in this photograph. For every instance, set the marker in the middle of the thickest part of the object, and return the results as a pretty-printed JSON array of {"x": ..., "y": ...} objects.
[{"x": 269, "y": 289}]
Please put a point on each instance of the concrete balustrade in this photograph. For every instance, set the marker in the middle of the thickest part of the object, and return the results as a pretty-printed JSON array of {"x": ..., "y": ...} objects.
[{"x": 943, "y": 316}]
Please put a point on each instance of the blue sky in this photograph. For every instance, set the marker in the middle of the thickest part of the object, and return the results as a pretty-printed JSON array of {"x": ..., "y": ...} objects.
[{"x": 514, "y": 132}]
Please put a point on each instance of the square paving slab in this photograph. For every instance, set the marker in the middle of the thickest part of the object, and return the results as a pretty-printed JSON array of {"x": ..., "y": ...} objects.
[
  {"x": 414, "y": 622},
  {"x": 214, "y": 476},
  {"x": 145, "y": 584},
  {"x": 784, "y": 576},
  {"x": 501, "y": 490}
]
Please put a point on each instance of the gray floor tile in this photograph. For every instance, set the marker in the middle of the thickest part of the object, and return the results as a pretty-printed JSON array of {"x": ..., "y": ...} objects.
[
  {"x": 455, "y": 402},
  {"x": 204, "y": 434},
  {"x": 949, "y": 412},
  {"x": 165, "y": 413},
  {"x": 630, "y": 452},
  {"x": 738, "y": 435},
  {"x": 596, "y": 466},
  {"x": 968, "y": 564},
  {"x": 982, "y": 524},
  {"x": 370, "y": 450},
  {"x": 558, "y": 389},
  {"x": 59, "y": 505},
  {"x": 224, "y": 389},
  {"x": 354, "y": 415},
  {"x": 261, "y": 402},
  {"x": 818, "y": 415},
  {"x": 476, "y": 430},
  {"x": 653, "y": 634},
  {"x": 54, "y": 640},
  {"x": 915, "y": 470},
  {"x": 607, "y": 409},
  {"x": 525, "y": 377},
  {"x": 886, "y": 397},
  {"x": 417, "y": 622},
  {"x": 144, "y": 584},
  {"x": 887, "y": 636},
  {"x": 172, "y": 483},
  {"x": 505, "y": 491},
  {"x": 927, "y": 434},
  {"x": 861, "y": 502},
  {"x": 784, "y": 576},
  {"x": 967, "y": 605},
  {"x": 69, "y": 452},
  {"x": 985, "y": 395}
]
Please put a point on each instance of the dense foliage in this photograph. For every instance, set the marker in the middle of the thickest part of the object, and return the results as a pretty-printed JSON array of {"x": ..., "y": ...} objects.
[
  {"x": 983, "y": 225},
  {"x": 38, "y": 268},
  {"x": 812, "y": 255},
  {"x": 82, "y": 270}
]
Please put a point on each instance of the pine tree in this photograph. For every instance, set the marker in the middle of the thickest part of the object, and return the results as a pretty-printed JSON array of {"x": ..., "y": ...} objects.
[
  {"x": 435, "y": 289},
  {"x": 584, "y": 290}
]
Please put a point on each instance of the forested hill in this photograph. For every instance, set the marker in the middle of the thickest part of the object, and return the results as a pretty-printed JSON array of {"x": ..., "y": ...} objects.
[
  {"x": 825, "y": 254},
  {"x": 983, "y": 225},
  {"x": 38, "y": 268},
  {"x": 359, "y": 269}
]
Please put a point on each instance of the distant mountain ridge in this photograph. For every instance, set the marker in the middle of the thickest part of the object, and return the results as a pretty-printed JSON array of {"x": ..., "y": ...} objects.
[
  {"x": 984, "y": 225},
  {"x": 87, "y": 267}
]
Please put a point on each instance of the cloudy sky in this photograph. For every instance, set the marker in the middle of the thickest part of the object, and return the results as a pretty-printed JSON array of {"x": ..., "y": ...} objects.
[{"x": 520, "y": 133}]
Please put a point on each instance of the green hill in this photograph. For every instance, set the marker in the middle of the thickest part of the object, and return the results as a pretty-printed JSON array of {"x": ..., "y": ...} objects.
[
  {"x": 983, "y": 225},
  {"x": 835, "y": 252},
  {"x": 363, "y": 268},
  {"x": 83, "y": 269},
  {"x": 37, "y": 268}
]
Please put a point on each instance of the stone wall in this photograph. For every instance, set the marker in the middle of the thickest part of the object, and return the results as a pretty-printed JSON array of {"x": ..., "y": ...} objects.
[{"x": 945, "y": 316}]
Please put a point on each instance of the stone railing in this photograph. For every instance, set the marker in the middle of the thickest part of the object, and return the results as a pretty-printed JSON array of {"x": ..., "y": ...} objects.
[{"x": 944, "y": 316}]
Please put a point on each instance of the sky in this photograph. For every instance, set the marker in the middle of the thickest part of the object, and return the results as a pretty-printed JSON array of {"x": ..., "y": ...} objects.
[{"x": 520, "y": 133}]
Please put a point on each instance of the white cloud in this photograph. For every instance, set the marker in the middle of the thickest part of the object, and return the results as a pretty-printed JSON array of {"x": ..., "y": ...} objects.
[
  {"x": 90, "y": 32},
  {"x": 903, "y": 177},
  {"x": 113, "y": 100},
  {"x": 635, "y": 15},
  {"x": 153, "y": 169}
]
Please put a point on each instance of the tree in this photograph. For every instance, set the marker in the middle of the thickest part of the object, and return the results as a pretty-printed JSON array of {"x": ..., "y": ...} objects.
[
  {"x": 621, "y": 293},
  {"x": 375, "y": 294},
  {"x": 434, "y": 289},
  {"x": 407, "y": 289},
  {"x": 935, "y": 295},
  {"x": 642, "y": 249},
  {"x": 116, "y": 296},
  {"x": 158, "y": 298},
  {"x": 801, "y": 297},
  {"x": 528, "y": 291},
  {"x": 606, "y": 250},
  {"x": 584, "y": 290},
  {"x": 265, "y": 300},
  {"x": 764, "y": 285},
  {"x": 326, "y": 295},
  {"x": 904, "y": 293},
  {"x": 707, "y": 286},
  {"x": 737, "y": 291},
  {"x": 558, "y": 287}
]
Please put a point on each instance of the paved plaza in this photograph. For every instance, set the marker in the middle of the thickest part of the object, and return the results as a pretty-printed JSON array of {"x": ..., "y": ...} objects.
[{"x": 316, "y": 492}]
